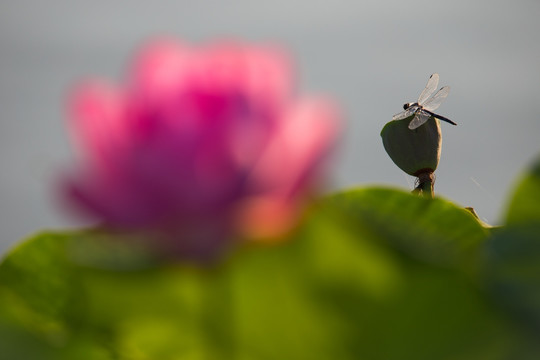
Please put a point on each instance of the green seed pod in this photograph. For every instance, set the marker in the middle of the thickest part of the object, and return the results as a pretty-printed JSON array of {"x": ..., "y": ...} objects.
[{"x": 413, "y": 151}]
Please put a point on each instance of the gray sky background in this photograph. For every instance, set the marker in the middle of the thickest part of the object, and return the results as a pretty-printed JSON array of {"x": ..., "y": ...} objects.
[{"x": 372, "y": 56}]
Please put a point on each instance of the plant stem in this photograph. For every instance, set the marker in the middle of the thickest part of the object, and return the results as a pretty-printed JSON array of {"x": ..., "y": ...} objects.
[{"x": 425, "y": 185}]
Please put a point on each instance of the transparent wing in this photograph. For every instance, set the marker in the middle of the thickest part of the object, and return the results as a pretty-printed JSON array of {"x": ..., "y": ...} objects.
[
  {"x": 437, "y": 99},
  {"x": 419, "y": 120},
  {"x": 405, "y": 114},
  {"x": 430, "y": 88}
]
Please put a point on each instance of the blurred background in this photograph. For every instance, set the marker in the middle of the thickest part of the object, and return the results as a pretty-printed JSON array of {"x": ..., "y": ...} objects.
[{"x": 372, "y": 56}]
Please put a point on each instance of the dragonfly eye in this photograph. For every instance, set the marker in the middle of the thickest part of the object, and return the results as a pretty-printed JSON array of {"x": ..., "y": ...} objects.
[{"x": 406, "y": 106}]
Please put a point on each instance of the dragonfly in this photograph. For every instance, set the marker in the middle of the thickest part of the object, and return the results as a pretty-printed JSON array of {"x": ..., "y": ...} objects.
[{"x": 426, "y": 104}]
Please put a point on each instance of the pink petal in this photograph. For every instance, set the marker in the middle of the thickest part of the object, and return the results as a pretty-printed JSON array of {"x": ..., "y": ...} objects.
[
  {"x": 165, "y": 69},
  {"x": 296, "y": 152},
  {"x": 288, "y": 169},
  {"x": 162, "y": 69},
  {"x": 97, "y": 124},
  {"x": 264, "y": 74}
]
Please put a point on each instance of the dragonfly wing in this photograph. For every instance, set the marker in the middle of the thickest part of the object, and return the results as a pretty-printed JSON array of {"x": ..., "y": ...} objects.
[
  {"x": 419, "y": 120},
  {"x": 405, "y": 114},
  {"x": 437, "y": 99},
  {"x": 430, "y": 88}
]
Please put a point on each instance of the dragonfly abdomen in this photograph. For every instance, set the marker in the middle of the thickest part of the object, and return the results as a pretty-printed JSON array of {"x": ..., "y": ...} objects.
[{"x": 440, "y": 117}]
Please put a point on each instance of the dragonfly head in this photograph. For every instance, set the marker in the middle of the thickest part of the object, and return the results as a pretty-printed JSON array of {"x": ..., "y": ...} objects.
[{"x": 408, "y": 105}]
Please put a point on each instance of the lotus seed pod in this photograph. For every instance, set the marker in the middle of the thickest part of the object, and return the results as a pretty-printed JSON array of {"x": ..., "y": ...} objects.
[{"x": 413, "y": 151}]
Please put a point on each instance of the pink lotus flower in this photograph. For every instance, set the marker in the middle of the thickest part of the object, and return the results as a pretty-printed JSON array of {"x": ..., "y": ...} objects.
[{"x": 200, "y": 143}]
